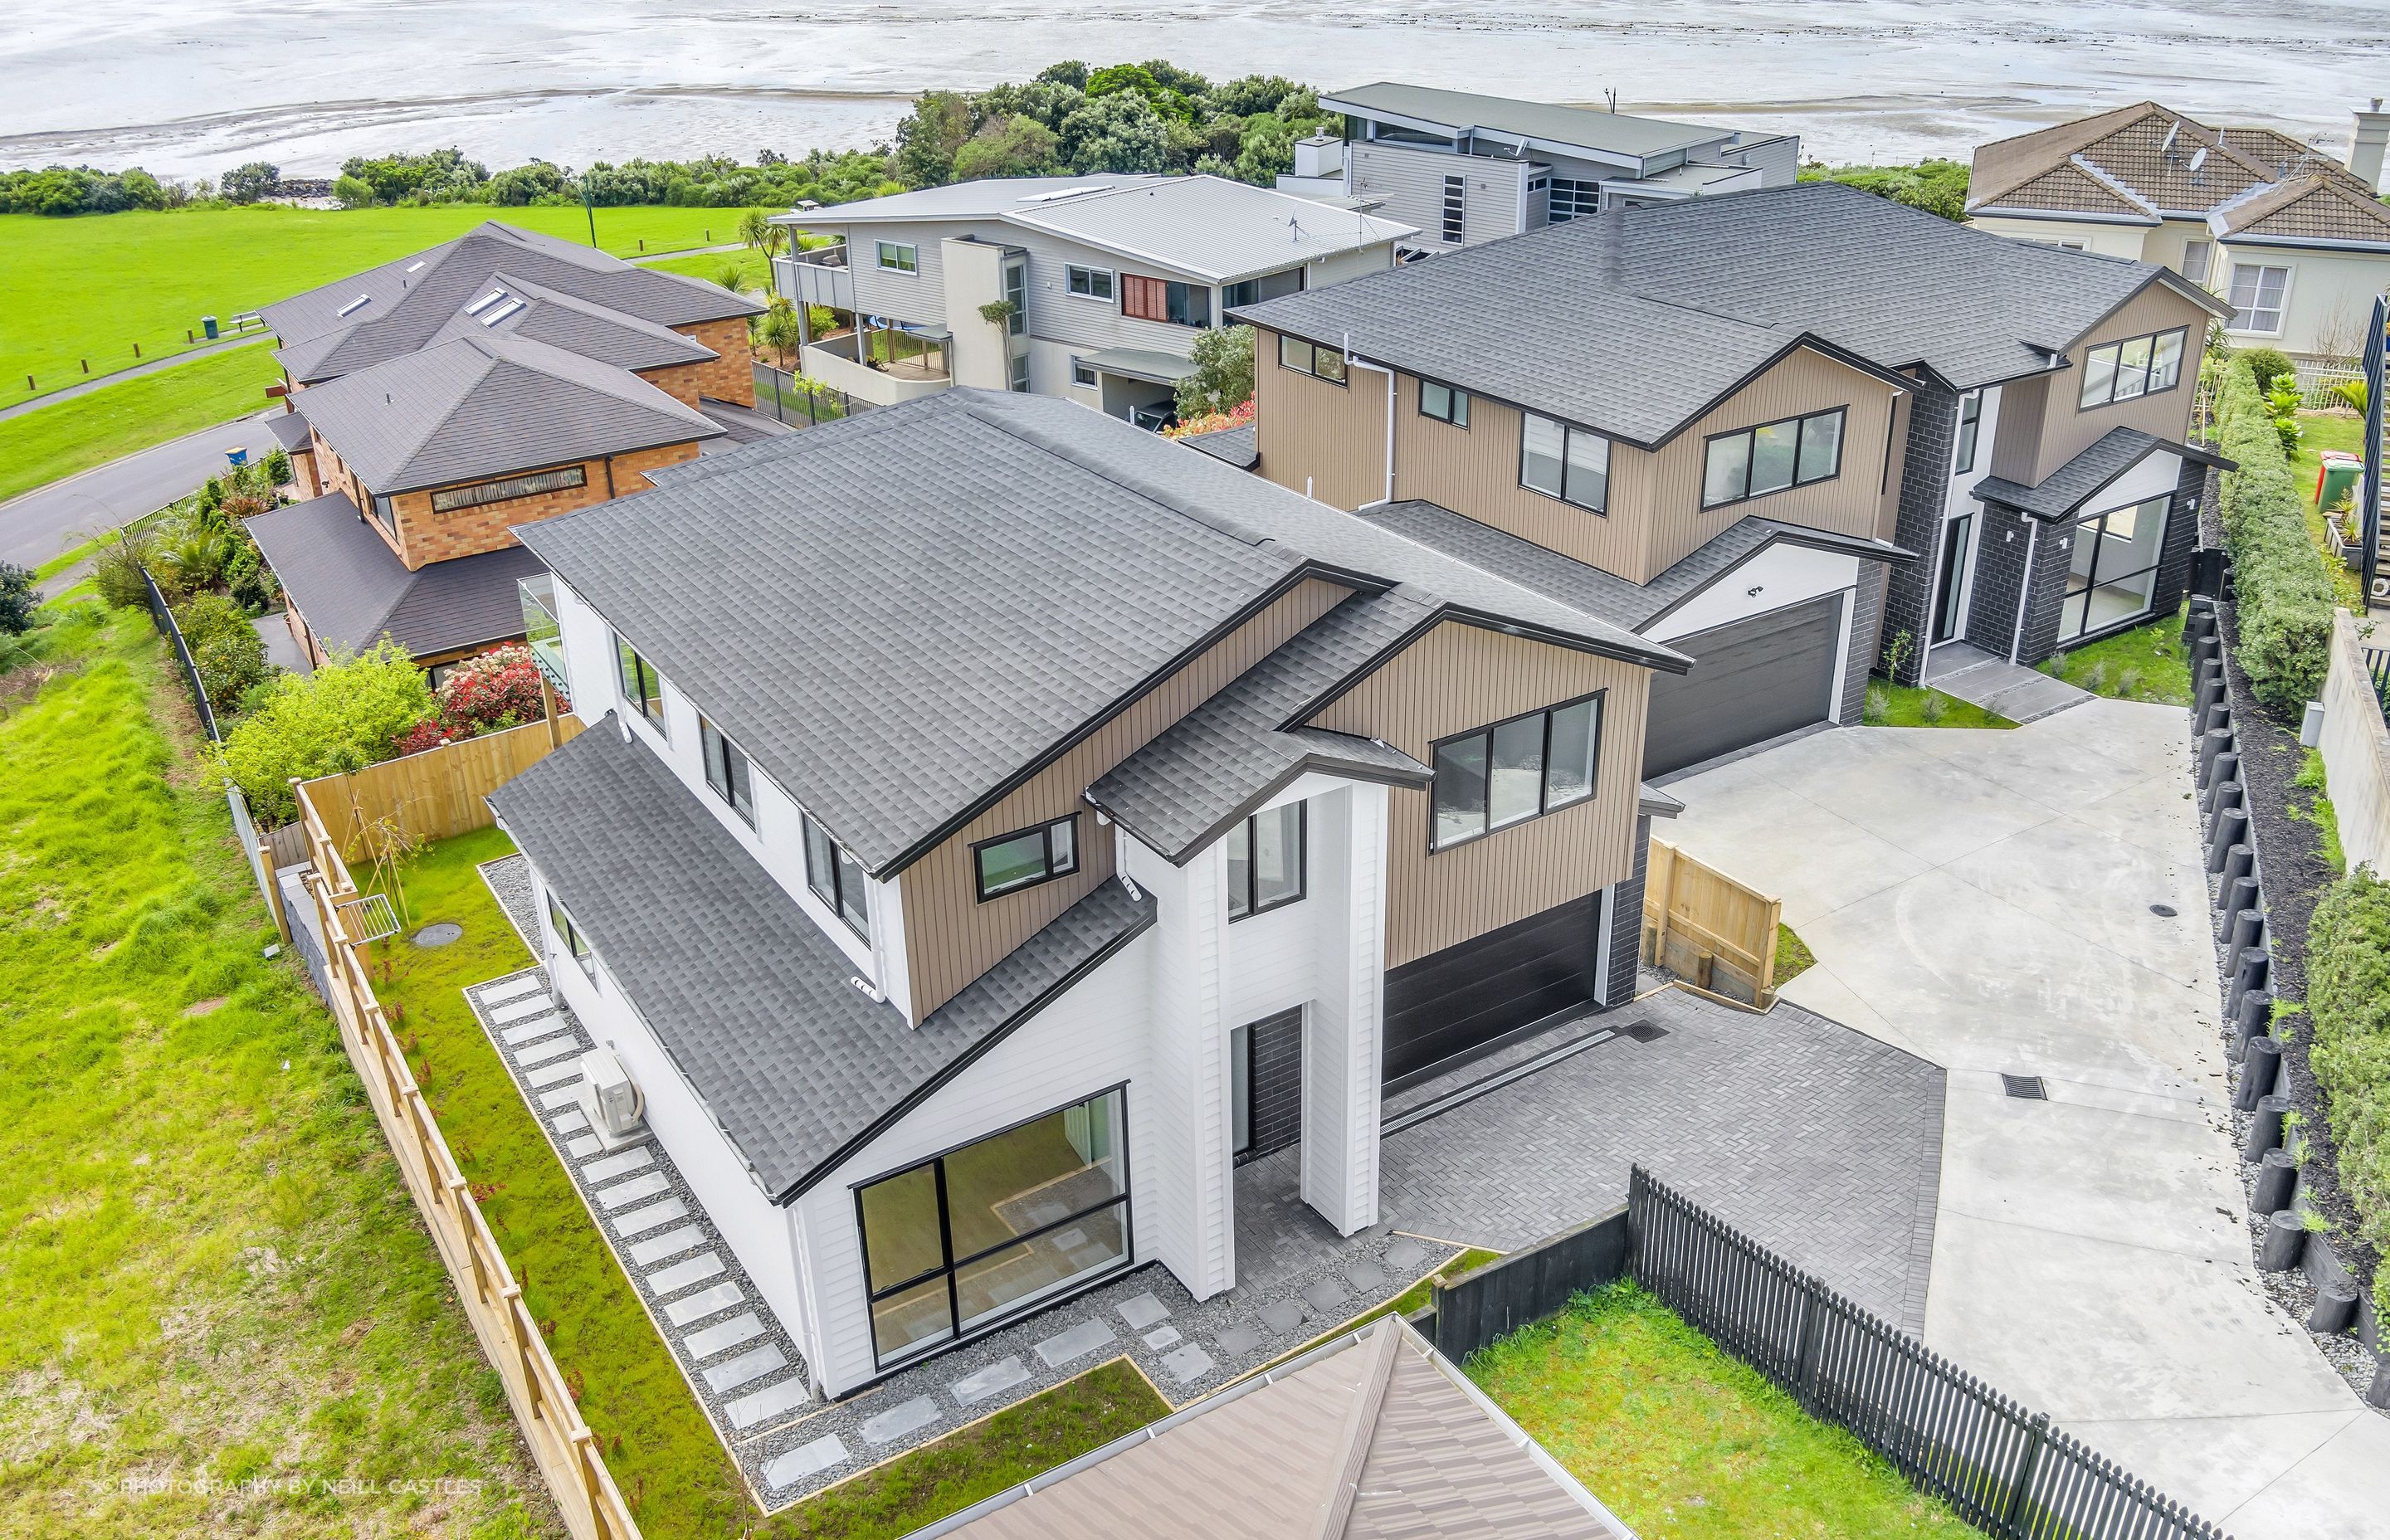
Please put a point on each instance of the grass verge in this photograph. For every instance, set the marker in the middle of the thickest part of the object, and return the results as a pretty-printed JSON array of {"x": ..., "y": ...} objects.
[
  {"x": 1108, "y": 1402},
  {"x": 1684, "y": 1442},
  {"x": 42, "y": 446},
  {"x": 2319, "y": 812},
  {"x": 663, "y": 1453},
  {"x": 218, "y": 1313},
  {"x": 1891, "y": 705},
  {"x": 2317, "y": 433},
  {"x": 1792, "y": 955},
  {"x": 2145, "y": 663}
]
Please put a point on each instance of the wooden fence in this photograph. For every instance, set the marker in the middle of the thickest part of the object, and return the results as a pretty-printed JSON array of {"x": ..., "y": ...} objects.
[
  {"x": 561, "y": 1445},
  {"x": 2356, "y": 747},
  {"x": 434, "y": 795},
  {"x": 1707, "y": 929}
]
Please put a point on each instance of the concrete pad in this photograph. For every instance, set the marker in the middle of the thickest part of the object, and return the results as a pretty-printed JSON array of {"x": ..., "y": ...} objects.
[
  {"x": 671, "y": 1243},
  {"x": 704, "y": 1302},
  {"x": 1142, "y": 1310},
  {"x": 597, "y": 1172},
  {"x": 1187, "y": 1364},
  {"x": 805, "y": 1459},
  {"x": 533, "y": 1030},
  {"x": 742, "y": 1327},
  {"x": 511, "y": 989},
  {"x": 562, "y": 1096},
  {"x": 992, "y": 1381},
  {"x": 640, "y": 1221},
  {"x": 1405, "y": 1253},
  {"x": 512, "y": 1011},
  {"x": 1325, "y": 1295},
  {"x": 1077, "y": 1342},
  {"x": 572, "y": 1121},
  {"x": 553, "y": 1077},
  {"x": 1168, "y": 1337},
  {"x": 624, "y": 1194},
  {"x": 581, "y": 1147},
  {"x": 1365, "y": 1278},
  {"x": 1282, "y": 1315},
  {"x": 2340, "y": 1490},
  {"x": 746, "y": 1368},
  {"x": 1950, "y": 812},
  {"x": 555, "y": 1048},
  {"x": 1775, "y": 847},
  {"x": 758, "y": 1407},
  {"x": 909, "y": 1417},
  {"x": 1238, "y": 1340},
  {"x": 1821, "y": 989},
  {"x": 680, "y": 1275}
]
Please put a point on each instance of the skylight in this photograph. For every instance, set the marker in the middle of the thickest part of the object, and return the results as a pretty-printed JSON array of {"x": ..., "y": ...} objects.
[
  {"x": 354, "y": 306},
  {"x": 415, "y": 266},
  {"x": 493, "y": 317},
  {"x": 485, "y": 301},
  {"x": 1060, "y": 193}
]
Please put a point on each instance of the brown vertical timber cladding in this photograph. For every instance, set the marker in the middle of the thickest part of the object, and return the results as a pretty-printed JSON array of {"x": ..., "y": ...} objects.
[
  {"x": 436, "y": 794},
  {"x": 2067, "y": 429},
  {"x": 1461, "y": 676},
  {"x": 1317, "y": 438},
  {"x": 1475, "y": 471},
  {"x": 951, "y": 937}
]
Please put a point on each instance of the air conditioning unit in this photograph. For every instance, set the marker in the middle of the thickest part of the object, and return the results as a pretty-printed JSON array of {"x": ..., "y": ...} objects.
[{"x": 610, "y": 1100}]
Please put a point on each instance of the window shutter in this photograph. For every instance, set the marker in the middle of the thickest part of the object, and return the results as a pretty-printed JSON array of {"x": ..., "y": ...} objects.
[{"x": 1147, "y": 299}]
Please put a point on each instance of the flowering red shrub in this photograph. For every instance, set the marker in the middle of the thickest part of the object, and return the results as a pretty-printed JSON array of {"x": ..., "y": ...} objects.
[
  {"x": 426, "y": 734},
  {"x": 499, "y": 688},
  {"x": 1238, "y": 415}
]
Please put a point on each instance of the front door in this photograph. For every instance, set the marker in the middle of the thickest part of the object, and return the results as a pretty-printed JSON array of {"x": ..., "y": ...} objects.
[{"x": 1958, "y": 556}]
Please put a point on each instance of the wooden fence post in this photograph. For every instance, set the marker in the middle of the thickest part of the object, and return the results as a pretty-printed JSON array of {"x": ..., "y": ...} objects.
[
  {"x": 273, "y": 888},
  {"x": 2013, "y": 1517}
]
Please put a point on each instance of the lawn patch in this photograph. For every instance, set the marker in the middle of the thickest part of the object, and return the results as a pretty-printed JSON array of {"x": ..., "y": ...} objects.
[
  {"x": 2145, "y": 663},
  {"x": 1792, "y": 955},
  {"x": 1684, "y": 1442},
  {"x": 53, "y": 442},
  {"x": 1891, "y": 705}
]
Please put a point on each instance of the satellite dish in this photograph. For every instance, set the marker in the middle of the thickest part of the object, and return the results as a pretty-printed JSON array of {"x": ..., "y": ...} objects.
[
  {"x": 2167, "y": 147},
  {"x": 2198, "y": 160}
]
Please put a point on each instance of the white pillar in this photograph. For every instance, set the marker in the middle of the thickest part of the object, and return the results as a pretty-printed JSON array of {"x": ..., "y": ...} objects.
[{"x": 1343, "y": 1049}]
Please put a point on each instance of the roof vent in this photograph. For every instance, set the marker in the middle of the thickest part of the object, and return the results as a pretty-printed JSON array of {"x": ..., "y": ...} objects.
[
  {"x": 354, "y": 306},
  {"x": 415, "y": 266}
]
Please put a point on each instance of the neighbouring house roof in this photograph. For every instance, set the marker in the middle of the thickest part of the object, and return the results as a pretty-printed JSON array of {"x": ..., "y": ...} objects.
[
  {"x": 473, "y": 407},
  {"x": 353, "y": 590},
  {"x": 1234, "y": 446},
  {"x": 2063, "y": 490},
  {"x": 1371, "y": 1437},
  {"x": 900, "y": 615},
  {"x": 289, "y": 430},
  {"x": 1206, "y": 226},
  {"x": 740, "y": 425},
  {"x": 1543, "y": 123},
  {"x": 2313, "y": 207},
  {"x": 406, "y": 303},
  {"x": 1162, "y": 368},
  {"x": 593, "y": 331},
  {"x": 754, "y": 1004},
  {"x": 1709, "y": 291}
]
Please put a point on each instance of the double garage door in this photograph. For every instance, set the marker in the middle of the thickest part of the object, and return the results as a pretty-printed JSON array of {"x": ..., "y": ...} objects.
[
  {"x": 1452, "y": 1001},
  {"x": 1751, "y": 681}
]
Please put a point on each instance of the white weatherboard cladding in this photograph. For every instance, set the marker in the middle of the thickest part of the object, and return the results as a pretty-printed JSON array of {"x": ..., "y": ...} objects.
[
  {"x": 1408, "y": 183},
  {"x": 2121, "y": 239},
  {"x": 1091, "y": 1038},
  {"x": 2330, "y": 295},
  {"x": 2154, "y": 477},
  {"x": 1783, "y": 574},
  {"x": 1058, "y": 316},
  {"x": 1496, "y": 202},
  {"x": 918, "y": 297}
]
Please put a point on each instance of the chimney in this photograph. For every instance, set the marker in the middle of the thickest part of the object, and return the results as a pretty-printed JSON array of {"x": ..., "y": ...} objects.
[{"x": 2372, "y": 134}]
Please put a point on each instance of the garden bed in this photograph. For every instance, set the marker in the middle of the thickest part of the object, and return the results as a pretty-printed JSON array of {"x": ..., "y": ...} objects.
[{"x": 2145, "y": 663}]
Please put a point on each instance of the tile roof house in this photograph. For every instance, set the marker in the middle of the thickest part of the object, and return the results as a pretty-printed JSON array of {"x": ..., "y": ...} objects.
[
  {"x": 1780, "y": 432},
  {"x": 437, "y": 400},
  {"x": 2297, "y": 243},
  {"x": 994, "y": 766},
  {"x": 1112, "y": 279}
]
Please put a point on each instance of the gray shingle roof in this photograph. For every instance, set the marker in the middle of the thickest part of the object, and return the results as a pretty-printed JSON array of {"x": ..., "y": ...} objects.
[
  {"x": 353, "y": 590},
  {"x": 289, "y": 430},
  {"x": 1231, "y": 446},
  {"x": 406, "y": 302},
  {"x": 1710, "y": 289},
  {"x": 2079, "y": 480},
  {"x": 900, "y": 615},
  {"x": 1549, "y": 122},
  {"x": 750, "y": 998},
  {"x": 575, "y": 325},
  {"x": 475, "y": 407}
]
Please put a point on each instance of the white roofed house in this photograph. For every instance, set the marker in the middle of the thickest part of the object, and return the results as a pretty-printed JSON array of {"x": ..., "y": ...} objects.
[{"x": 1110, "y": 279}]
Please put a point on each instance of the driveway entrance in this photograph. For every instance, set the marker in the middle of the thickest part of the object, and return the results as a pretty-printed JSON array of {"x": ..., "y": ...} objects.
[{"x": 1989, "y": 901}]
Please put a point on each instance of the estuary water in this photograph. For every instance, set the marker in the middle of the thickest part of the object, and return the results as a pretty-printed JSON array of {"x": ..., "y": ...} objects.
[{"x": 191, "y": 87}]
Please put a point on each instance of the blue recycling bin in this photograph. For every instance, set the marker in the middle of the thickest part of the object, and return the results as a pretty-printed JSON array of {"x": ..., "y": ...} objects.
[
  {"x": 207, "y": 325},
  {"x": 236, "y": 457}
]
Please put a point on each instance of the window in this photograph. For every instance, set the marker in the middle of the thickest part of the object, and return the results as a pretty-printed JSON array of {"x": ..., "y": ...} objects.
[
  {"x": 2257, "y": 297},
  {"x": 1514, "y": 771},
  {"x": 727, "y": 770},
  {"x": 2136, "y": 366},
  {"x": 1971, "y": 420},
  {"x": 2112, "y": 570},
  {"x": 2195, "y": 254},
  {"x": 984, "y": 1231},
  {"x": 1265, "y": 862},
  {"x": 1455, "y": 201},
  {"x": 836, "y": 878},
  {"x": 576, "y": 945},
  {"x": 449, "y": 499},
  {"x": 1016, "y": 373},
  {"x": 1025, "y": 859},
  {"x": 1574, "y": 200},
  {"x": 1444, "y": 404},
  {"x": 1564, "y": 462},
  {"x": 899, "y": 257},
  {"x": 1016, "y": 291},
  {"x": 1771, "y": 458},
  {"x": 1082, "y": 373},
  {"x": 1269, "y": 286},
  {"x": 1310, "y": 358},
  {"x": 643, "y": 687},
  {"x": 1183, "y": 304},
  {"x": 1088, "y": 283}
]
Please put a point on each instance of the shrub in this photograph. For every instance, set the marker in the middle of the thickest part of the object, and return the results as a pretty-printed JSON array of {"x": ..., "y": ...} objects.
[
  {"x": 249, "y": 184},
  {"x": 2266, "y": 364},
  {"x": 277, "y": 467},
  {"x": 2349, "y": 998},
  {"x": 2284, "y": 593},
  {"x": 1223, "y": 377},
  {"x": 343, "y": 718},
  {"x": 17, "y": 600},
  {"x": 500, "y": 689},
  {"x": 225, "y": 649},
  {"x": 116, "y": 571}
]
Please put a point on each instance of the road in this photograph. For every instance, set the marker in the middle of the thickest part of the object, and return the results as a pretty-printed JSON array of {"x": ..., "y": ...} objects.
[{"x": 39, "y": 524}]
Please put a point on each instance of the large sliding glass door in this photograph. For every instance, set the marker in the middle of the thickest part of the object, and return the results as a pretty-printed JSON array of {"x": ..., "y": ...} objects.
[
  {"x": 2112, "y": 572},
  {"x": 969, "y": 1237}
]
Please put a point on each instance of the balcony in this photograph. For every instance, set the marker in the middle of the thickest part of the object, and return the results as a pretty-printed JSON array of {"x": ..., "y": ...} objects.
[
  {"x": 817, "y": 278},
  {"x": 882, "y": 365},
  {"x": 542, "y": 633}
]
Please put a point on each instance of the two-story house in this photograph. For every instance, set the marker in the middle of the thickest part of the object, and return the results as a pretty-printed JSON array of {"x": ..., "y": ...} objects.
[
  {"x": 997, "y": 825},
  {"x": 1785, "y": 433},
  {"x": 1465, "y": 167},
  {"x": 1109, "y": 281},
  {"x": 438, "y": 400},
  {"x": 2297, "y": 243}
]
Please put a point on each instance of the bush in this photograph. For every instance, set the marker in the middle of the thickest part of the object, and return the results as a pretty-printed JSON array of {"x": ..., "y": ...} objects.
[
  {"x": 2266, "y": 365},
  {"x": 343, "y": 718},
  {"x": 17, "y": 600},
  {"x": 116, "y": 571},
  {"x": 500, "y": 689},
  {"x": 2349, "y": 1000},
  {"x": 277, "y": 467},
  {"x": 2284, "y": 593},
  {"x": 251, "y": 182},
  {"x": 225, "y": 649},
  {"x": 1223, "y": 380}
]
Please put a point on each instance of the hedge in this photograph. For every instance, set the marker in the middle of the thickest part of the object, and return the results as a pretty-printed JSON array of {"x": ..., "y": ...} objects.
[
  {"x": 2349, "y": 1000},
  {"x": 2283, "y": 591}
]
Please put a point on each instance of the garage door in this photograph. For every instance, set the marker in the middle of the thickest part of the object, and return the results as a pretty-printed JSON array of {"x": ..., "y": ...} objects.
[
  {"x": 1751, "y": 681},
  {"x": 1453, "y": 1000}
]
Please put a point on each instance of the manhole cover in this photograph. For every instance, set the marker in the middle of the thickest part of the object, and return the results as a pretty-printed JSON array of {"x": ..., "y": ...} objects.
[
  {"x": 2025, "y": 1087},
  {"x": 2165, "y": 911},
  {"x": 438, "y": 935},
  {"x": 1644, "y": 1032}
]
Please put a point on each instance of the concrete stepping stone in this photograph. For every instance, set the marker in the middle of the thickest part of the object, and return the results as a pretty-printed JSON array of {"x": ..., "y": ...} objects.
[
  {"x": 1325, "y": 1295},
  {"x": 524, "y": 1010},
  {"x": 1365, "y": 1278},
  {"x": 1405, "y": 1253},
  {"x": 571, "y": 1120},
  {"x": 622, "y": 1195},
  {"x": 768, "y": 1403},
  {"x": 1166, "y": 1338},
  {"x": 1282, "y": 1317},
  {"x": 640, "y": 1221},
  {"x": 549, "y": 1075},
  {"x": 742, "y": 1328},
  {"x": 746, "y": 1368},
  {"x": 1187, "y": 1364},
  {"x": 541, "y": 1053},
  {"x": 805, "y": 1459},
  {"x": 680, "y": 1275},
  {"x": 612, "y": 1166},
  {"x": 1077, "y": 1342},
  {"x": 531, "y": 1031},
  {"x": 563, "y": 1095},
  {"x": 995, "y": 1379},
  {"x": 512, "y": 989},
  {"x": 1238, "y": 1340},
  {"x": 1143, "y": 1310},
  {"x": 704, "y": 1302},
  {"x": 671, "y": 1243},
  {"x": 584, "y": 1145},
  {"x": 895, "y": 1423}
]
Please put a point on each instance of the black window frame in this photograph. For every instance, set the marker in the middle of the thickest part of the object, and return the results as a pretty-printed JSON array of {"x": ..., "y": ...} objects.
[
  {"x": 979, "y": 875},
  {"x": 1750, "y": 455},
  {"x": 1248, "y": 291},
  {"x": 1094, "y": 378},
  {"x": 1544, "y": 807},
  {"x": 1569, "y": 432},
  {"x": 2119, "y": 345},
  {"x": 1253, "y": 881},
  {"x": 2093, "y": 526},
  {"x": 632, "y": 671},
  {"x": 568, "y": 930},
  {"x": 1970, "y": 429},
  {"x": 949, "y": 1265},
  {"x": 832, "y": 891},
  {"x": 1456, "y": 415},
  {"x": 717, "y": 750},
  {"x": 1317, "y": 350},
  {"x": 1072, "y": 272}
]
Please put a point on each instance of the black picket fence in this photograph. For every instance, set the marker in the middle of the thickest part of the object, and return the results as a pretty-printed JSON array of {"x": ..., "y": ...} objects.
[
  {"x": 162, "y": 615},
  {"x": 777, "y": 393}
]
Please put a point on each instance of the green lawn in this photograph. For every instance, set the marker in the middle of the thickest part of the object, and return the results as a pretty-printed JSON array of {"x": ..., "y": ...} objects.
[
  {"x": 1793, "y": 955},
  {"x": 43, "y": 445},
  {"x": 2145, "y": 663},
  {"x": 1684, "y": 1442},
  {"x": 210, "y": 1271},
  {"x": 1891, "y": 705},
  {"x": 90, "y": 287},
  {"x": 2317, "y": 433},
  {"x": 754, "y": 268}
]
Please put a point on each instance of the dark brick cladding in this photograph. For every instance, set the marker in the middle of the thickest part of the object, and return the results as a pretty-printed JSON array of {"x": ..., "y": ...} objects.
[
  {"x": 1866, "y": 621},
  {"x": 1925, "y": 483},
  {"x": 1626, "y": 921}
]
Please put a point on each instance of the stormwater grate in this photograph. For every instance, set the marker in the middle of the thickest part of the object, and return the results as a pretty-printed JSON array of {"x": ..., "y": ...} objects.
[
  {"x": 1645, "y": 1031},
  {"x": 2025, "y": 1087}
]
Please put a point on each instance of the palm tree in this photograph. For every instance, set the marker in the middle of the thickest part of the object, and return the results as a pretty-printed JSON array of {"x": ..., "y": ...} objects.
[
  {"x": 732, "y": 275},
  {"x": 756, "y": 229}
]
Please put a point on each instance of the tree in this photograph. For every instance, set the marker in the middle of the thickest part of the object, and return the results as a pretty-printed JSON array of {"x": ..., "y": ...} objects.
[
  {"x": 249, "y": 184},
  {"x": 939, "y": 125},
  {"x": 277, "y": 467},
  {"x": 17, "y": 600},
  {"x": 523, "y": 185},
  {"x": 1118, "y": 133},
  {"x": 225, "y": 649},
  {"x": 343, "y": 718},
  {"x": 354, "y": 192},
  {"x": 1936, "y": 186},
  {"x": 1009, "y": 146},
  {"x": 1223, "y": 380},
  {"x": 1069, "y": 71},
  {"x": 777, "y": 330},
  {"x": 756, "y": 229}
]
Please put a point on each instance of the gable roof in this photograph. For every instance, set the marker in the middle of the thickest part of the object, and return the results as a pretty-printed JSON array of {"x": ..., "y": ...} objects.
[
  {"x": 900, "y": 616},
  {"x": 398, "y": 307},
  {"x": 353, "y": 590},
  {"x": 2063, "y": 490},
  {"x": 476, "y": 407},
  {"x": 2314, "y": 207},
  {"x": 1542, "y": 124},
  {"x": 595, "y": 332}
]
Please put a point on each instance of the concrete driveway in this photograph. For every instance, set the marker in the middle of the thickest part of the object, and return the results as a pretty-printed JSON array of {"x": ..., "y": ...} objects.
[{"x": 1984, "y": 899}]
